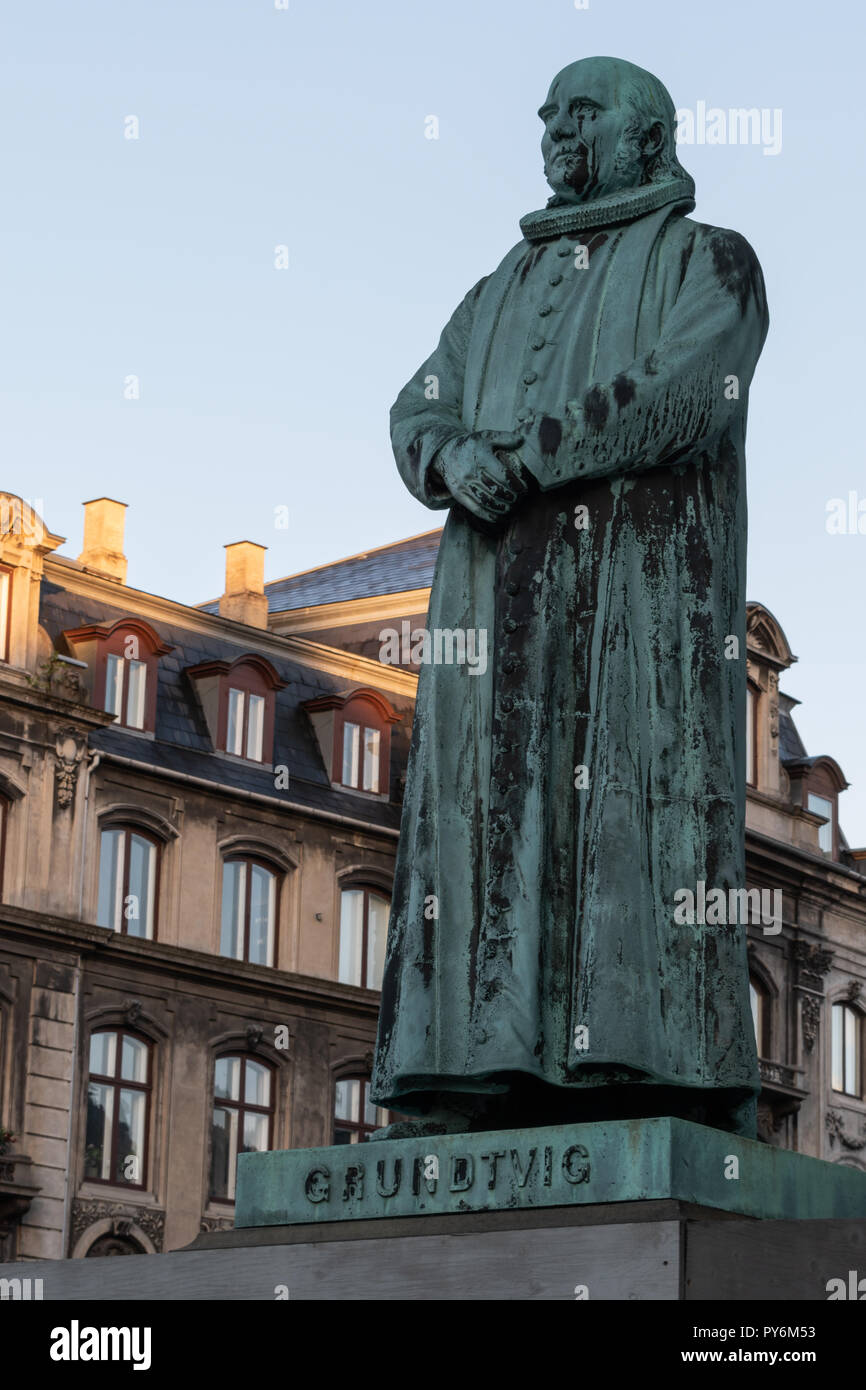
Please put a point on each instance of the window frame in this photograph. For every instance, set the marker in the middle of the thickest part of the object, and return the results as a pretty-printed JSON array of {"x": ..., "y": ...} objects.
[
  {"x": 97, "y": 642},
  {"x": 359, "y": 1127},
  {"x": 763, "y": 1044},
  {"x": 847, "y": 1007},
  {"x": 131, "y": 828},
  {"x": 241, "y": 1106},
  {"x": 366, "y": 887},
  {"x": 120, "y": 1031},
  {"x": 246, "y": 857},
  {"x": 752, "y": 726}
]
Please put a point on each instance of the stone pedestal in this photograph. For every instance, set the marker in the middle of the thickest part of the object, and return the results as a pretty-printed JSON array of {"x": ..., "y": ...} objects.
[{"x": 562, "y": 1166}]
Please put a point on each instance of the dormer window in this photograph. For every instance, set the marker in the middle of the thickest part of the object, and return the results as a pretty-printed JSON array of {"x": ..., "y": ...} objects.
[
  {"x": 361, "y": 762},
  {"x": 821, "y": 806},
  {"x": 126, "y": 689},
  {"x": 123, "y": 664},
  {"x": 239, "y": 701},
  {"x": 354, "y": 735}
]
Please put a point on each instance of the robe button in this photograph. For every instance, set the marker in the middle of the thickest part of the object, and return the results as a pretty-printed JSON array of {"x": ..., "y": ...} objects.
[
  {"x": 506, "y": 703},
  {"x": 510, "y": 625},
  {"x": 555, "y": 279},
  {"x": 512, "y": 587},
  {"x": 524, "y": 415},
  {"x": 545, "y": 310},
  {"x": 536, "y": 344},
  {"x": 509, "y": 665},
  {"x": 530, "y": 377},
  {"x": 565, "y": 250}
]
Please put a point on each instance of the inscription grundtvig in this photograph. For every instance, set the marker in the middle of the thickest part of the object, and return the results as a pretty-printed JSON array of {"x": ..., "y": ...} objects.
[{"x": 507, "y": 1170}]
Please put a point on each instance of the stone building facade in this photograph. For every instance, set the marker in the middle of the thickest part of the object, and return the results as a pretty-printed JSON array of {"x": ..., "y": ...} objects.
[{"x": 199, "y": 810}]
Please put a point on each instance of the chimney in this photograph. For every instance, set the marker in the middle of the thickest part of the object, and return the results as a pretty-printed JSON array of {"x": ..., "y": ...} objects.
[
  {"x": 245, "y": 599},
  {"x": 103, "y": 538}
]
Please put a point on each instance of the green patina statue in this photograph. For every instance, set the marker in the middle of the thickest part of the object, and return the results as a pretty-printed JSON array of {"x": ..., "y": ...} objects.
[{"x": 583, "y": 422}]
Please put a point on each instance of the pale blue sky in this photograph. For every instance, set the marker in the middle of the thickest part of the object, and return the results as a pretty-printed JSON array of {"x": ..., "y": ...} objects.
[{"x": 305, "y": 127}]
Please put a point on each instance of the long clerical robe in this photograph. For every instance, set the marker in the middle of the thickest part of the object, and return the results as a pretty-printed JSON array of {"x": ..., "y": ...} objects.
[{"x": 557, "y": 802}]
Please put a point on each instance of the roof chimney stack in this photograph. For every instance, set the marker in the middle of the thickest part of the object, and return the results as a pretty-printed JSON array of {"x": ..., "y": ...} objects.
[
  {"x": 244, "y": 599},
  {"x": 104, "y": 521}
]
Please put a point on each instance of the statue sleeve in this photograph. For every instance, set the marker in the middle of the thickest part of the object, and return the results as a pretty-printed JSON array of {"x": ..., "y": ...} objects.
[
  {"x": 688, "y": 390},
  {"x": 428, "y": 411}
]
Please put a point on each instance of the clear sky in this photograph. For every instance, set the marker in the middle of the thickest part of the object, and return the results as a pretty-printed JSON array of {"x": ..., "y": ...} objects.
[{"x": 304, "y": 127}]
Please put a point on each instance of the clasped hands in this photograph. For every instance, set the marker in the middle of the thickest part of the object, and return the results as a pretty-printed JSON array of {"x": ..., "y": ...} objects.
[{"x": 485, "y": 473}]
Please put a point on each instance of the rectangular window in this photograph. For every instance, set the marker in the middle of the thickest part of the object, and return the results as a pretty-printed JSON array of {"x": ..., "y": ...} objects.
[
  {"x": 263, "y": 893},
  {"x": 751, "y": 776},
  {"x": 136, "y": 682},
  {"x": 113, "y": 684},
  {"x": 235, "y": 728},
  {"x": 255, "y": 726},
  {"x": 5, "y": 590},
  {"x": 822, "y": 807},
  {"x": 351, "y": 754},
  {"x": 234, "y": 900},
  {"x": 110, "y": 907},
  {"x": 351, "y": 936},
  {"x": 377, "y": 935},
  {"x": 845, "y": 1050},
  {"x": 371, "y": 760}
]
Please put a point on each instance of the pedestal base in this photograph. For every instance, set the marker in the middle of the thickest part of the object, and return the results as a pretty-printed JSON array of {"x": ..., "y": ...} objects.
[{"x": 621, "y": 1161}]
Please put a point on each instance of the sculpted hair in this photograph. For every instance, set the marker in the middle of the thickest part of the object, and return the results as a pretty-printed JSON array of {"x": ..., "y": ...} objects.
[{"x": 651, "y": 103}]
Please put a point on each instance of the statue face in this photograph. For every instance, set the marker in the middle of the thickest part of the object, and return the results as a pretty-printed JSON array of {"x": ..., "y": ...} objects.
[{"x": 590, "y": 145}]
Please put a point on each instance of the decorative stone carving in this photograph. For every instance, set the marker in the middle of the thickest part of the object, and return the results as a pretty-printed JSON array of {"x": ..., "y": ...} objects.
[
  {"x": 70, "y": 748},
  {"x": 254, "y": 1036},
  {"x": 855, "y": 989},
  {"x": 813, "y": 963},
  {"x": 835, "y": 1124},
  {"x": 216, "y": 1223},
  {"x": 132, "y": 1009},
  {"x": 811, "y": 1019},
  {"x": 86, "y": 1211}
]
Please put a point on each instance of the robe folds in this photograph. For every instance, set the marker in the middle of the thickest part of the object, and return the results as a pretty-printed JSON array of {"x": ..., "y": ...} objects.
[{"x": 557, "y": 800}]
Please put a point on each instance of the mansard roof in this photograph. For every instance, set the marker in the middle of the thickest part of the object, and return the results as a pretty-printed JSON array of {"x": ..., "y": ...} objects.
[{"x": 182, "y": 742}]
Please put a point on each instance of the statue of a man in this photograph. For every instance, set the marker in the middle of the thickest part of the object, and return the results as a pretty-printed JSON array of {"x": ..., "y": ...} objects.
[{"x": 583, "y": 423}]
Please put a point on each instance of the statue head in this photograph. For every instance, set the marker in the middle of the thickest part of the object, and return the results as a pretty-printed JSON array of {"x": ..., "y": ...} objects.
[{"x": 608, "y": 126}]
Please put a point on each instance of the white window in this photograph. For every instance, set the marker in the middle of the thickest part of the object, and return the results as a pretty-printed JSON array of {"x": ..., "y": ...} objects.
[
  {"x": 127, "y": 882},
  {"x": 363, "y": 933},
  {"x": 134, "y": 673},
  {"x": 235, "y": 730},
  {"x": 751, "y": 704},
  {"x": 358, "y": 771},
  {"x": 245, "y": 726},
  {"x": 249, "y": 911},
  {"x": 255, "y": 726},
  {"x": 846, "y": 1049},
  {"x": 822, "y": 807}
]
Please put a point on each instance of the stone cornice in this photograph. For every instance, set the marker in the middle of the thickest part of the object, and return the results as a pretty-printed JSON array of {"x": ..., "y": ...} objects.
[{"x": 107, "y": 947}]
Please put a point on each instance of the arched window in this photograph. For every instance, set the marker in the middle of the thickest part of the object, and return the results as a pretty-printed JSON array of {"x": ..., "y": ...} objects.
[
  {"x": 355, "y": 1115},
  {"x": 250, "y": 896},
  {"x": 354, "y": 735},
  {"x": 847, "y": 1050},
  {"x": 123, "y": 661},
  {"x": 128, "y": 880},
  {"x": 239, "y": 704},
  {"x": 243, "y": 1118},
  {"x": 363, "y": 932},
  {"x": 759, "y": 996},
  {"x": 118, "y": 1108}
]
